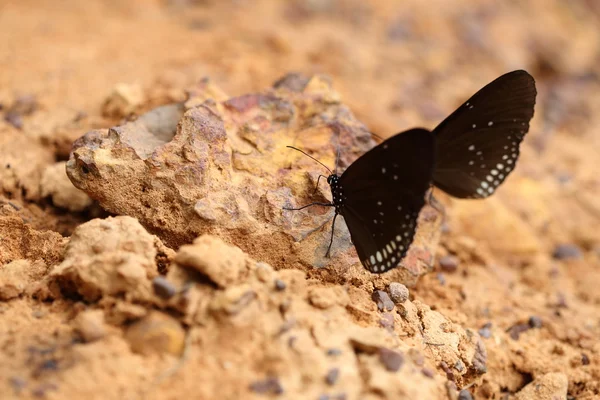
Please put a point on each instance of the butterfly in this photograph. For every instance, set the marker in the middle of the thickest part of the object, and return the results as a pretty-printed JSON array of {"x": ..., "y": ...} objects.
[
  {"x": 478, "y": 144},
  {"x": 468, "y": 155},
  {"x": 380, "y": 196}
]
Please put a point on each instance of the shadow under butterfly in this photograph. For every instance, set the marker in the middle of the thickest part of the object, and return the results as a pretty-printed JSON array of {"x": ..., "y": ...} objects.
[{"x": 468, "y": 155}]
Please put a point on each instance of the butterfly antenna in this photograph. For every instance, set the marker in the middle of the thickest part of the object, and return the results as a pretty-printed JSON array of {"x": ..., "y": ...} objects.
[
  {"x": 337, "y": 158},
  {"x": 376, "y": 136},
  {"x": 309, "y": 156}
]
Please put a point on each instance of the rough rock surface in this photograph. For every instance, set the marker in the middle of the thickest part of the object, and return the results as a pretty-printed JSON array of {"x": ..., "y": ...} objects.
[{"x": 223, "y": 168}]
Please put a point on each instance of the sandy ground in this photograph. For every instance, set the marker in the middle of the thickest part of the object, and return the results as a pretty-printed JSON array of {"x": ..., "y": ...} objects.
[{"x": 502, "y": 297}]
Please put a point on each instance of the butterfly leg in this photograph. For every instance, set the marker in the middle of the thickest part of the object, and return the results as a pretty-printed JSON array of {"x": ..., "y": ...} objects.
[
  {"x": 308, "y": 205},
  {"x": 331, "y": 240},
  {"x": 317, "y": 185}
]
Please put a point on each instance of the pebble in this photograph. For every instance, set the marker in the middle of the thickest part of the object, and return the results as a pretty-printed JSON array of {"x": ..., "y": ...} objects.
[
  {"x": 449, "y": 263},
  {"x": 567, "y": 251},
  {"x": 398, "y": 292},
  {"x": 334, "y": 352},
  {"x": 391, "y": 360},
  {"x": 387, "y": 321},
  {"x": 447, "y": 370},
  {"x": 585, "y": 360},
  {"x": 383, "y": 300},
  {"x": 90, "y": 325},
  {"x": 156, "y": 333},
  {"x": 516, "y": 330},
  {"x": 332, "y": 376},
  {"x": 163, "y": 288},
  {"x": 267, "y": 386},
  {"x": 465, "y": 395},
  {"x": 280, "y": 285},
  {"x": 535, "y": 322},
  {"x": 427, "y": 372},
  {"x": 485, "y": 331}
]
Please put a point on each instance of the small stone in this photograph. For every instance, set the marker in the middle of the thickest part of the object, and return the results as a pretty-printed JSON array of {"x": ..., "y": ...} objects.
[
  {"x": 427, "y": 372},
  {"x": 391, "y": 360},
  {"x": 156, "y": 333},
  {"x": 280, "y": 285},
  {"x": 480, "y": 358},
  {"x": 332, "y": 376},
  {"x": 267, "y": 386},
  {"x": 14, "y": 279},
  {"x": 449, "y": 263},
  {"x": 585, "y": 360},
  {"x": 516, "y": 330},
  {"x": 398, "y": 292},
  {"x": 387, "y": 321},
  {"x": 567, "y": 251},
  {"x": 163, "y": 288},
  {"x": 447, "y": 370},
  {"x": 441, "y": 278},
  {"x": 459, "y": 366},
  {"x": 535, "y": 322},
  {"x": 465, "y": 395},
  {"x": 383, "y": 300},
  {"x": 14, "y": 119},
  {"x": 90, "y": 325},
  {"x": 334, "y": 352},
  {"x": 485, "y": 331}
]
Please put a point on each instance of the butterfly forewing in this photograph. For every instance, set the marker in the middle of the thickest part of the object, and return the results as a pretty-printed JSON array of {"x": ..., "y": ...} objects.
[
  {"x": 384, "y": 190},
  {"x": 478, "y": 145}
]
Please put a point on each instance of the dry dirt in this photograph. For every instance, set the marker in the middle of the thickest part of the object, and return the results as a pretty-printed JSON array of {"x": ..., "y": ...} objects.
[{"x": 148, "y": 261}]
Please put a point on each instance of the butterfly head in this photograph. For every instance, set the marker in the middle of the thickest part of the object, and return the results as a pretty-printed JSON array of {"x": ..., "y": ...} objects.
[{"x": 332, "y": 179}]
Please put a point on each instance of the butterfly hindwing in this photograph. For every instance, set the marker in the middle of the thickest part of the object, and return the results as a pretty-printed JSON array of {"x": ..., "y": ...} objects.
[
  {"x": 384, "y": 190},
  {"x": 478, "y": 145}
]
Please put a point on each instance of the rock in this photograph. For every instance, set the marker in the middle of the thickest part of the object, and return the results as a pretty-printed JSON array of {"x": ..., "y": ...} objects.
[
  {"x": 223, "y": 264},
  {"x": 156, "y": 333},
  {"x": 465, "y": 395},
  {"x": 398, "y": 292},
  {"x": 485, "y": 331},
  {"x": 207, "y": 167},
  {"x": 268, "y": 386},
  {"x": 90, "y": 325},
  {"x": 163, "y": 288},
  {"x": 391, "y": 360},
  {"x": 21, "y": 166},
  {"x": 280, "y": 285},
  {"x": 567, "y": 251},
  {"x": 547, "y": 387},
  {"x": 449, "y": 263},
  {"x": 124, "y": 100},
  {"x": 233, "y": 300},
  {"x": 115, "y": 256},
  {"x": 332, "y": 376},
  {"x": 383, "y": 300},
  {"x": 21, "y": 241},
  {"x": 14, "y": 279},
  {"x": 56, "y": 184},
  {"x": 535, "y": 322},
  {"x": 479, "y": 360}
]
